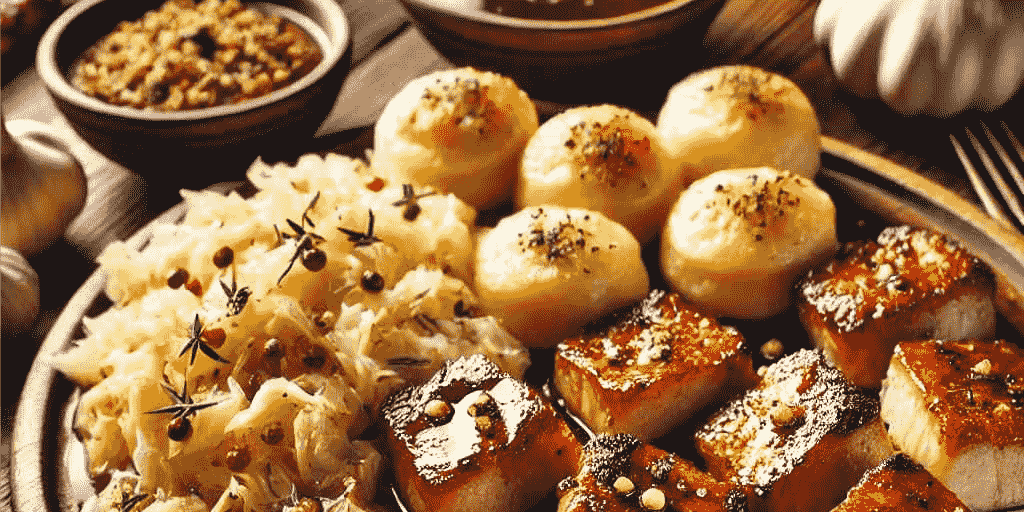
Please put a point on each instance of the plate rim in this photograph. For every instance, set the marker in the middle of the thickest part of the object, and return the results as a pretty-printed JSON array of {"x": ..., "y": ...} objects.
[
  {"x": 28, "y": 440},
  {"x": 29, "y": 429}
]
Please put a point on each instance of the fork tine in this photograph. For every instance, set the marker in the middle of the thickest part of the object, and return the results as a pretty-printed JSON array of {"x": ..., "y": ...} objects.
[
  {"x": 1017, "y": 177},
  {"x": 980, "y": 188},
  {"x": 1010, "y": 197},
  {"x": 1011, "y": 166}
]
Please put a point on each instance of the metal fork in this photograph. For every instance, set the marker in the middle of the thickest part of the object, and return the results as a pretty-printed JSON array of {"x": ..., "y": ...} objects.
[{"x": 1010, "y": 189}]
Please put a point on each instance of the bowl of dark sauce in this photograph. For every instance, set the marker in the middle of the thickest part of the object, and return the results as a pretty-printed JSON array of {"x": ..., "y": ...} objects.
[{"x": 574, "y": 51}]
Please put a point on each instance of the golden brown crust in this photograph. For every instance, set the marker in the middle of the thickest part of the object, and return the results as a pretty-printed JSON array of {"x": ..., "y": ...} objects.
[
  {"x": 619, "y": 473},
  {"x": 909, "y": 284},
  {"x": 899, "y": 484},
  {"x": 799, "y": 440},
  {"x": 975, "y": 389},
  {"x": 885, "y": 278},
  {"x": 637, "y": 358},
  {"x": 770, "y": 430},
  {"x": 472, "y": 430},
  {"x": 661, "y": 337}
]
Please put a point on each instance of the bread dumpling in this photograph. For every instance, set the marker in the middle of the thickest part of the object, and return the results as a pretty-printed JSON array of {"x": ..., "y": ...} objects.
[
  {"x": 737, "y": 240},
  {"x": 737, "y": 116},
  {"x": 546, "y": 271},
  {"x": 461, "y": 130},
  {"x": 604, "y": 158}
]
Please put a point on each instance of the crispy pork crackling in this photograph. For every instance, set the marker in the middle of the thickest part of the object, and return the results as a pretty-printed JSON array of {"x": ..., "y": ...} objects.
[
  {"x": 958, "y": 409},
  {"x": 646, "y": 370},
  {"x": 619, "y": 473},
  {"x": 799, "y": 440},
  {"x": 909, "y": 284},
  {"x": 899, "y": 484},
  {"x": 474, "y": 438}
]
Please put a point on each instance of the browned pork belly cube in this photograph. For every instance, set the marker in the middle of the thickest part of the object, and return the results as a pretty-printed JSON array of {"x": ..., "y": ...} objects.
[
  {"x": 620, "y": 473},
  {"x": 910, "y": 284},
  {"x": 647, "y": 371},
  {"x": 958, "y": 409},
  {"x": 899, "y": 484},
  {"x": 799, "y": 440},
  {"x": 474, "y": 438}
]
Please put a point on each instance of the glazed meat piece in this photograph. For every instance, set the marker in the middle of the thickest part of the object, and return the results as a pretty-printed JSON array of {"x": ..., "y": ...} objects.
[
  {"x": 899, "y": 484},
  {"x": 958, "y": 409},
  {"x": 620, "y": 473},
  {"x": 474, "y": 438},
  {"x": 910, "y": 284},
  {"x": 800, "y": 439},
  {"x": 646, "y": 371}
]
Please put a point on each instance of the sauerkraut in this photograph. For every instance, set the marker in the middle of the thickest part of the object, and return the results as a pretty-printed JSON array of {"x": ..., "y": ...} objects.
[{"x": 245, "y": 381}]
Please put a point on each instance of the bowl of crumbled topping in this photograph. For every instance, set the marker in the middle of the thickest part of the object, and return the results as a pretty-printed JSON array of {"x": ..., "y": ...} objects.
[
  {"x": 625, "y": 52},
  {"x": 190, "y": 92}
]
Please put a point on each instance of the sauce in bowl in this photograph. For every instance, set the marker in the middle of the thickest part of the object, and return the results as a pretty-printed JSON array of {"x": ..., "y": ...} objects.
[{"x": 567, "y": 9}]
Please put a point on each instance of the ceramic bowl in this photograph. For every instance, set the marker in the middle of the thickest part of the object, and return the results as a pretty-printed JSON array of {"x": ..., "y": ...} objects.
[
  {"x": 630, "y": 59},
  {"x": 197, "y": 147}
]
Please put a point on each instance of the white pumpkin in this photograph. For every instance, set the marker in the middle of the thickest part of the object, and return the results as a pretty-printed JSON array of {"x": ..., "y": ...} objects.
[{"x": 926, "y": 56}]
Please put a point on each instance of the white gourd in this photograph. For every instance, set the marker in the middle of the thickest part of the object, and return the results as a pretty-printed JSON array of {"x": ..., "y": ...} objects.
[{"x": 937, "y": 57}]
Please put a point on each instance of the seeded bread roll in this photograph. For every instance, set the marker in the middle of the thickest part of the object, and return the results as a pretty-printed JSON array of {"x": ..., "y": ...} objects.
[
  {"x": 738, "y": 116},
  {"x": 737, "y": 240},
  {"x": 461, "y": 130},
  {"x": 604, "y": 158},
  {"x": 547, "y": 271}
]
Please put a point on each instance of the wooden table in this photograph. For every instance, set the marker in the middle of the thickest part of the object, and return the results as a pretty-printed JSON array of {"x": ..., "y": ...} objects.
[{"x": 388, "y": 52}]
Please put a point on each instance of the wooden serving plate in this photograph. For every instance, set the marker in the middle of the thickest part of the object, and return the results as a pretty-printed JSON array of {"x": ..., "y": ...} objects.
[{"x": 48, "y": 467}]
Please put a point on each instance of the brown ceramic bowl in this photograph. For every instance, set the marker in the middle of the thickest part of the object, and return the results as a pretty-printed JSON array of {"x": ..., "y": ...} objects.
[
  {"x": 198, "y": 147},
  {"x": 630, "y": 59}
]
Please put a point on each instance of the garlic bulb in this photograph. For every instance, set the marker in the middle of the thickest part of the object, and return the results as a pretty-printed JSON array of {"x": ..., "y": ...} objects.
[
  {"x": 20, "y": 291},
  {"x": 924, "y": 56},
  {"x": 43, "y": 187}
]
